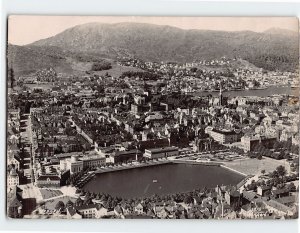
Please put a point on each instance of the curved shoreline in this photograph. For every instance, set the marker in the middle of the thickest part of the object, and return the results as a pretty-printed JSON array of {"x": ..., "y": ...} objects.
[{"x": 175, "y": 161}]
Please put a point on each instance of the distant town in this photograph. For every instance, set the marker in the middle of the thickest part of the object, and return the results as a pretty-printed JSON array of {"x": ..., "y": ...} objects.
[{"x": 66, "y": 131}]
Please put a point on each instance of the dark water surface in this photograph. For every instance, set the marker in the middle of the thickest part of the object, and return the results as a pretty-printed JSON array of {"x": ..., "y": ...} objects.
[{"x": 171, "y": 178}]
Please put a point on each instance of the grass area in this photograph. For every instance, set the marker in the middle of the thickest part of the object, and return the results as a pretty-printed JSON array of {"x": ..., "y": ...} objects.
[
  {"x": 254, "y": 166},
  {"x": 116, "y": 70},
  {"x": 49, "y": 193},
  {"x": 50, "y": 205},
  {"x": 47, "y": 86}
]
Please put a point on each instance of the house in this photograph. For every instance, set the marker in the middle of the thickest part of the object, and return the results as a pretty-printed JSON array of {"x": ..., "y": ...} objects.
[
  {"x": 73, "y": 214},
  {"x": 126, "y": 209},
  {"x": 101, "y": 212},
  {"x": 87, "y": 210},
  {"x": 253, "y": 211},
  {"x": 15, "y": 160},
  {"x": 14, "y": 202},
  {"x": 277, "y": 193},
  {"x": 139, "y": 209},
  {"x": 276, "y": 207},
  {"x": 12, "y": 178},
  {"x": 233, "y": 198},
  {"x": 118, "y": 211},
  {"x": 44, "y": 151},
  {"x": 263, "y": 189},
  {"x": 160, "y": 212}
]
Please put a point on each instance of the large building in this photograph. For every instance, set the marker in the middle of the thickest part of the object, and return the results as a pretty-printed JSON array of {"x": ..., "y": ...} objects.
[
  {"x": 77, "y": 163},
  {"x": 49, "y": 181},
  {"x": 125, "y": 156},
  {"x": 249, "y": 143},
  {"x": 224, "y": 136},
  {"x": 161, "y": 152}
]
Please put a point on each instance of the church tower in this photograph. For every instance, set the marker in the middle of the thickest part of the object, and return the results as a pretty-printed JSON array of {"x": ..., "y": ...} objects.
[{"x": 221, "y": 96}]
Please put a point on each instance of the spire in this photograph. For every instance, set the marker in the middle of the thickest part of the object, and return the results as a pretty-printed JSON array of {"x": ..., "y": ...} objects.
[{"x": 220, "y": 95}]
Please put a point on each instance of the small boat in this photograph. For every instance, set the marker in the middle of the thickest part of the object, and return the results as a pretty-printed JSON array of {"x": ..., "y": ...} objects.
[{"x": 154, "y": 181}]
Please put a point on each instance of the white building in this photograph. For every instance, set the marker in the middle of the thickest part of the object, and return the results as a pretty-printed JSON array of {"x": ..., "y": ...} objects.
[
  {"x": 12, "y": 178},
  {"x": 161, "y": 152}
]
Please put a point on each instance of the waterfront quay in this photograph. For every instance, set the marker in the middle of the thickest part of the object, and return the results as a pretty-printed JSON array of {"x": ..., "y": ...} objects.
[
  {"x": 120, "y": 167},
  {"x": 131, "y": 166}
]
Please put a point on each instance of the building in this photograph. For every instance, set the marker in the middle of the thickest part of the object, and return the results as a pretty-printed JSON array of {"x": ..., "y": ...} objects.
[
  {"x": 86, "y": 211},
  {"x": 139, "y": 209},
  {"x": 44, "y": 151},
  {"x": 277, "y": 208},
  {"x": 161, "y": 152},
  {"x": 224, "y": 136},
  {"x": 49, "y": 181},
  {"x": 136, "y": 109},
  {"x": 14, "y": 202},
  {"x": 74, "y": 165},
  {"x": 93, "y": 161},
  {"x": 263, "y": 189},
  {"x": 250, "y": 143},
  {"x": 73, "y": 214},
  {"x": 12, "y": 178},
  {"x": 77, "y": 163},
  {"x": 125, "y": 156}
]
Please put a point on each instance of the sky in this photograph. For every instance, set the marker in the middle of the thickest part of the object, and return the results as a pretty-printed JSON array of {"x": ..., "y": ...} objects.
[{"x": 25, "y": 29}]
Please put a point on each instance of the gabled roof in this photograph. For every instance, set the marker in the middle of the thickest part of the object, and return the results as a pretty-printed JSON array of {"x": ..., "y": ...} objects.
[
  {"x": 276, "y": 205},
  {"x": 72, "y": 211},
  {"x": 140, "y": 206},
  {"x": 13, "y": 197},
  {"x": 88, "y": 206},
  {"x": 280, "y": 191},
  {"x": 51, "y": 177}
]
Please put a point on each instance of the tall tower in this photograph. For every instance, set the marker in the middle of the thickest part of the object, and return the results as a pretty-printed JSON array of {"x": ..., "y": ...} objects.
[{"x": 221, "y": 96}]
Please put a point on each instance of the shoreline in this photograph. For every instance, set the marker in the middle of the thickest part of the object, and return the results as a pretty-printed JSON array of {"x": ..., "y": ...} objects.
[
  {"x": 169, "y": 161},
  {"x": 233, "y": 170}
]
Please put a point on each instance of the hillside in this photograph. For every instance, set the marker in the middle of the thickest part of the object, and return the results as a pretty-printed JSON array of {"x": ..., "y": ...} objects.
[
  {"x": 272, "y": 49},
  {"x": 25, "y": 59}
]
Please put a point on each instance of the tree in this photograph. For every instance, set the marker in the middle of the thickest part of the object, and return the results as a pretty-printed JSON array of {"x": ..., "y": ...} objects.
[
  {"x": 11, "y": 77},
  {"x": 60, "y": 206},
  {"x": 291, "y": 187},
  {"x": 263, "y": 171},
  {"x": 188, "y": 199},
  {"x": 281, "y": 171},
  {"x": 43, "y": 170},
  {"x": 79, "y": 201},
  {"x": 69, "y": 204}
]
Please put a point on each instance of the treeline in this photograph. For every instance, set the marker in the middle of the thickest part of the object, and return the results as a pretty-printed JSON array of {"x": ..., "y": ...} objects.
[
  {"x": 140, "y": 74},
  {"x": 199, "y": 73},
  {"x": 99, "y": 66},
  {"x": 274, "y": 62}
]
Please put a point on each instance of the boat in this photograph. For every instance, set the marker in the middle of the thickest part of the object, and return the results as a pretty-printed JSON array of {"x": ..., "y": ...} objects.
[{"x": 154, "y": 181}]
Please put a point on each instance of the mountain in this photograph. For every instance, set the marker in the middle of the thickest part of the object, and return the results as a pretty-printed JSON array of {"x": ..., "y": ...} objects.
[
  {"x": 26, "y": 59},
  {"x": 165, "y": 43},
  {"x": 280, "y": 31}
]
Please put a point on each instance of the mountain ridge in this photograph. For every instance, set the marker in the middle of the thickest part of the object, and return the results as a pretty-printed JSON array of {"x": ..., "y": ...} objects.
[{"x": 151, "y": 42}]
